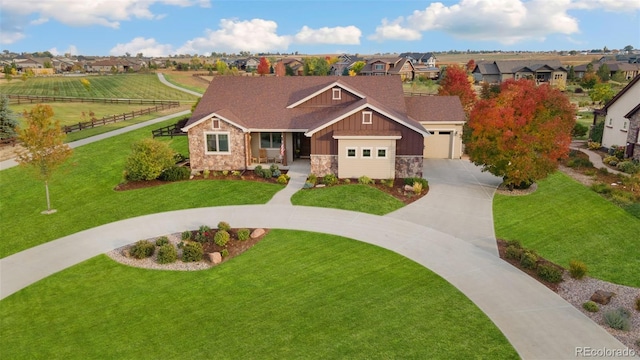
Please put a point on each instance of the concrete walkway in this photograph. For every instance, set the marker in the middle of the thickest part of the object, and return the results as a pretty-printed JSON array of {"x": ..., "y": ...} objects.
[
  {"x": 594, "y": 157},
  {"x": 164, "y": 81},
  {"x": 298, "y": 171}
]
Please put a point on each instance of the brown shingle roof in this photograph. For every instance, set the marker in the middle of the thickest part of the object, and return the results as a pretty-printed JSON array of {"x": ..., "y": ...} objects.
[
  {"x": 435, "y": 108},
  {"x": 260, "y": 103}
]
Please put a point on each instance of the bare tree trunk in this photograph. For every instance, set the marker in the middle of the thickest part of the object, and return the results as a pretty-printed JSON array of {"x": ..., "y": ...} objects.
[{"x": 46, "y": 186}]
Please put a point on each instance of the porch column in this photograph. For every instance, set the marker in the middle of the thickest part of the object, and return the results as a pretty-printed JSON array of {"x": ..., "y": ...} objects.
[
  {"x": 283, "y": 149},
  {"x": 247, "y": 152}
]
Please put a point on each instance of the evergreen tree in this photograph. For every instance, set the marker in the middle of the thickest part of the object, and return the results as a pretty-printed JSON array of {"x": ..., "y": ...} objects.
[{"x": 8, "y": 120}]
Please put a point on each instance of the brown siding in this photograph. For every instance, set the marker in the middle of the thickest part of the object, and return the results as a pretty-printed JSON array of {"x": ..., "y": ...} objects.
[
  {"x": 325, "y": 99},
  {"x": 323, "y": 143}
]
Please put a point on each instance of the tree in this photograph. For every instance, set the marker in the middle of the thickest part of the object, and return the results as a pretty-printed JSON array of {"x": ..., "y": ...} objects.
[
  {"x": 589, "y": 80},
  {"x": 263, "y": 66},
  {"x": 571, "y": 74},
  {"x": 316, "y": 66},
  {"x": 456, "y": 83},
  {"x": 604, "y": 73},
  {"x": 8, "y": 120},
  {"x": 471, "y": 64},
  {"x": 521, "y": 133},
  {"x": 358, "y": 66},
  {"x": 601, "y": 93},
  {"x": 628, "y": 48},
  {"x": 221, "y": 67},
  {"x": 43, "y": 147},
  {"x": 148, "y": 159}
]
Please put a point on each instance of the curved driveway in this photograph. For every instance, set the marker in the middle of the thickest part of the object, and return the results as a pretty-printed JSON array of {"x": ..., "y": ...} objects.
[{"x": 537, "y": 322}]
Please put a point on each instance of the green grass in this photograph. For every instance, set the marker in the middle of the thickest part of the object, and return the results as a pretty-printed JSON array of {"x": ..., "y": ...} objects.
[
  {"x": 179, "y": 80},
  {"x": 127, "y": 86},
  {"x": 322, "y": 298},
  {"x": 355, "y": 197},
  {"x": 82, "y": 192},
  {"x": 564, "y": 220}
]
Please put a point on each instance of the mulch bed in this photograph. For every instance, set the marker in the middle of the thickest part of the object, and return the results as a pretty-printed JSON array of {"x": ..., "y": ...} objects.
[
  {"x": 235, "y": 247},
  {"x": 502, "y": 247}
]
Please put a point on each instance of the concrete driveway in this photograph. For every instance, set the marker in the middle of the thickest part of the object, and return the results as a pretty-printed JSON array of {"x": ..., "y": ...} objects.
[{"x": 459, "y": 202}]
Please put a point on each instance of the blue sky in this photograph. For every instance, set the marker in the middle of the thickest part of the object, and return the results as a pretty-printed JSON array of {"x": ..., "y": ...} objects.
[{"x": 168, "y": 27}]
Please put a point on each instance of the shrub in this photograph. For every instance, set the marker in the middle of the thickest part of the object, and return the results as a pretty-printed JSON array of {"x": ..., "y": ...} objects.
[
  {"x": 618, "y": 319},
  {"x": 579, "y": 130},
  {"x": 330, "y": 179},
  {"x": 610, "y": 160},
  {"x": 205, "y": 173},
  {"x": 603, "y": 171},
  {"x": 273, "y": 167},
  {"x": 186, "y": 235},
  {"x": 308, "y": 185},
  {"x": 243, "y": 234},
  {"x": 388, "y": 182},
  {"x": 276, "y": 173},
  {"x": 578, "y": 90},
  {"x": 413, "y": 180},
  {"x": 162, "y": 240},
  {"x": 628, "y": 167},
  {"x": 621, "y": 197},
  {"x": 529, "y": 259},
  {"x": 282, "y": 179},
  {"x": 590, "y": 306},
  {"x": 200, "y": 237},
  {"x": 192, "y": 252},
  {"x": 175, "y": 173},
  {"x": 236, "y": 173},
  {"x": 601, "y": 188},
  {"x": 258, "y": 171},
  {"x": 577, "y": 269},
  {"x": 417, "y": 188},
  {"x": 365, "y": 180},
  {"x": 312, "y": 179},
  {"x": 514, "y": 243},
  {"x": 578, "y": 162},
  {"x": 549, "y": 273},
  {"x": 167, "y": 254},
  {"x": 224, "y": 253},
  {"x": 513, "y": 252},
  {"x": 225, "y": 172},
  {"x": 147, "y": 160},
  {"x": 266, "y": 173},
  {"x": 221, "y": 238},
  {"x": 223, "y": 225},
  {"x": 593, "y": 145},
  {"x": 142, "y": 249},
  {"x": 617, "y": 151},
  {"x": 347, "y": 181}
]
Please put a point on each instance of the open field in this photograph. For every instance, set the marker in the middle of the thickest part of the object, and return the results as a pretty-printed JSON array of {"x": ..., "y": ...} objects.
[
  {"x": 127, "y": 86},
  {"x": 463, "y": 58},
  {"x": 323, "y": 296},
  {"x": 82, "y": 191},
  {"x": 186, "y": 80},
  {"x": 564, "y": 220}
]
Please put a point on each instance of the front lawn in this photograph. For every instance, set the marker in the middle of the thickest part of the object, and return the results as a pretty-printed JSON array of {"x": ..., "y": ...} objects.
[
  {"x": 295, "y": 295},
  {"x": 355, "y": 197},
  {"x": 564, "y": 220},
  {"x": 82, "y": 192}
]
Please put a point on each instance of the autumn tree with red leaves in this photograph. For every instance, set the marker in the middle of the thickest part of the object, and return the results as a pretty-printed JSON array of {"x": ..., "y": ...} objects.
[
  {"x": 471, "y": 65},
  {"x": 456, "y": 83},
  {"x": 522, "y": 133},
  {"x": 263, "y": 66}
]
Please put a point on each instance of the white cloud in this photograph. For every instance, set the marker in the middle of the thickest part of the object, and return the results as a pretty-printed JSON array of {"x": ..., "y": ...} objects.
[
  {"x": 505, "y": 21},
  {"x": 256, "y": 35},
  {"x": 341, "y": 35},
  {"x": 107, "y": 13},
  {"x": 148, "y": 47},
  {"x": 72, "y": 49},
  {"x": 10, "y": 37}
]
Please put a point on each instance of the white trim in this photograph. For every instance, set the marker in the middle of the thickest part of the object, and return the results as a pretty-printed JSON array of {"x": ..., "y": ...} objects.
[
  {"x": 367, "y": 117},
  {"x": 362, "y": 149},
  {"x": 386, "y": 152},
  {"x": 367, "y": 137},
  {"x": 206, "y": 143},
  {"x": 186, "y": 128},
  {"x": 443, "y": 122},
  {"x": 355, "y": 151},
  {"x": 421, "y": 130},
  {"x": 336, "y": 93},
  {"x": 332, "y": 85}
]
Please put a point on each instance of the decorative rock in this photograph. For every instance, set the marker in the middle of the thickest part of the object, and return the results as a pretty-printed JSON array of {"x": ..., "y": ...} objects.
[
  {"x": 257, "y": 233},
  {"x": 215, "y": 257},
  {"x": 320, "y": 185},
  {"x": 602, "y": 297},
  {"x": 408, "y": 188}
]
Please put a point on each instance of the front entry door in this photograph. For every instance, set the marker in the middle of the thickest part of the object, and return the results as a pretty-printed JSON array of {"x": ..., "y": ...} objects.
[{"x": 302, "y": 145}]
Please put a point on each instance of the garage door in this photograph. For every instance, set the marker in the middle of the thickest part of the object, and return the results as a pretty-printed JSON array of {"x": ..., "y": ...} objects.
[{"x": 438, "y": 145}]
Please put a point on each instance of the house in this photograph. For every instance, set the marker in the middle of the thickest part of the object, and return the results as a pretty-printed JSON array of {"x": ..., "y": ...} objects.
[
  {"x": 443, "y": 117},
  {"x": 348, "y": 126},
  {"x": 296, "y": 66},
  {"x": 633, "y": 136},
  {"x": 425, "y": 59},
  {"x": 628, "y": 70},
  {"x": 617, "y": 113},
  {"x": 547, "y": 71},
  {"x": 389, "y": 66}
]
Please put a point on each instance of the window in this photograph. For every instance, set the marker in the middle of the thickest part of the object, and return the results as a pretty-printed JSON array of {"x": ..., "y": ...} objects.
[
  {"x": 366, "y": 117},
  {"x": 270, "y": 140},
  {"x": 378, "y": 66},
  {"x": 624, "y": 126},
  {"x": 215, "y": 124},
  {"x": 351, "y": 152},
  {"x": 610, "y": 122},
  {"x": 217, "y": 142},
  {"x": 366, "y": 153},
  {"x": 445, "y": 132},
  {"x": 381, "y": 153},
  {"x": 336, "y": 94}
]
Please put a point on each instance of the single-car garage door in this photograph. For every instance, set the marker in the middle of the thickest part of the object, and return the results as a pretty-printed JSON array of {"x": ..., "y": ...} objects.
[{"x": 439, "y": 145}]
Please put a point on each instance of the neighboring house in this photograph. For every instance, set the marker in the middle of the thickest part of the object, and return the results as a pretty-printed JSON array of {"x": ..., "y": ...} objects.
[
  {"x": 628, "y": 70},
  {"x": 425, "y": 59},
  {"x": 426, "y": 71},
  {"x": 443, "y": 117},
  {"x": 296, "y": 65},
  {"x": 389, "y": 66},
  {"x": 547, "y": 71},
  {"x": 348, "y": 126},
  {"x": 633, "y": 136},
  {"x": 617, "y": 112}
]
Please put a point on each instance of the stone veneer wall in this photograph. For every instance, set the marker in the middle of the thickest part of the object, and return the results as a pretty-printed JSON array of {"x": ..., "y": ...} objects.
[
  {"x": 409, "y": 166},
  {"x": 634, "y": 124},
  {"x": 201, "y": 161},
  {"x": 322, "y": 165}
]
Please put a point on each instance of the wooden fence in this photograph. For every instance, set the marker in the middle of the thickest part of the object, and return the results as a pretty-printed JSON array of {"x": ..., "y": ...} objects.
[
  {"x": 28, "y": 99},
  {"x": 116, "y": 118},
  {"x": 171, "y": 130}
]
